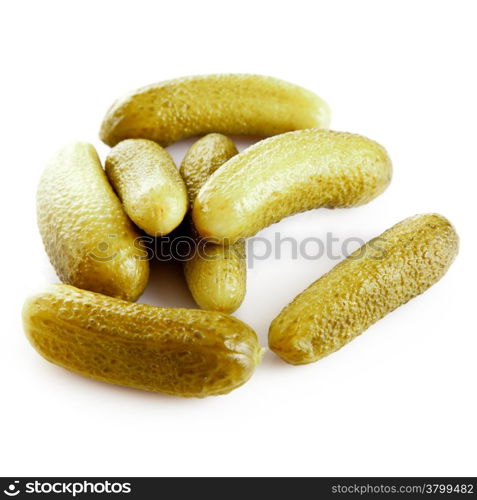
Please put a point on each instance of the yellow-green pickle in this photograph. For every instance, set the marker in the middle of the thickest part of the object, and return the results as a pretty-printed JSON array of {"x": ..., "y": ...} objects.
[
  {"x": 182, "y": 352},
  {"x": 149, "y": 185},
  {"x": 233, "y": 104},
  {"x": 215, "y": 274},
  {"x": 91, "y": 219},
  {"x": 374, "y": 280},
  {"x": 88, "y": 237},
  {"x": 286, "y": 174}
]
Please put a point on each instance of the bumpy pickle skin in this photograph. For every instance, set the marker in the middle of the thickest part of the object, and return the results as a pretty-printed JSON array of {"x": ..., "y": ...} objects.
[
  {"x": 233, "y": 104},
  {"x": 149, "y": 185},
  {"x": 181, "y": 352},
  {"x": 202, "y": 159},
  {"x": 89, "y": 239},
  {"x": 287, "y": 174},
  {"x": 216, "y": 275},
  {"x": 385, "y": 273}
]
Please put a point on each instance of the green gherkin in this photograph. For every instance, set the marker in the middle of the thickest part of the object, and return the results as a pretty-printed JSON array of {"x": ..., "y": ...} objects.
[
  {"x": 182, "y": 352},
  {"x": 215, "y": 274},
  {"x": 234, "y": 104},
  {"x": 149, "y": 185},
  {"x": 286, "y": 174},
  {"x": 374, "y": 280},
  {"x": 89, "y": 239}
]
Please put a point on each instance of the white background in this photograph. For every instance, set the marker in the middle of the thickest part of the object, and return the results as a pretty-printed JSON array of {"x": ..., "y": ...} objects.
[{"x": 400, "y": 399}]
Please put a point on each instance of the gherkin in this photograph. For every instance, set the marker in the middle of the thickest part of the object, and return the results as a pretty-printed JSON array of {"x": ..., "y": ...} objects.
[
  {"x": 387, "y": 272},
  {"x": 182, "y": 352},
  {"x": 234, "y": 104},
  {"x": 88, "y": 237},
  {"x": 149, "y": 185},
  {"x": 286, "y": 174},
  {"x": 215, "y": 274}
]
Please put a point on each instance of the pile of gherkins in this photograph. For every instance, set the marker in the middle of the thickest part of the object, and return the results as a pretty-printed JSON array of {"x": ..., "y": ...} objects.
[{"x": 93, "y": 220}]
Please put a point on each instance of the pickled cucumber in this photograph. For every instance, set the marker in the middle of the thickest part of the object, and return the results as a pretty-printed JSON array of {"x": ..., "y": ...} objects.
[
  {"x": 215, "y": 274},
  {"x": 374, "y": 280},
  {"x": 89, "y": 239},
  {"x": 182, "y": 352},
  {"x": 235, "y": 104},
  {"x": 149, "y": 185},
  {"x": 286, "y": 174}
]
